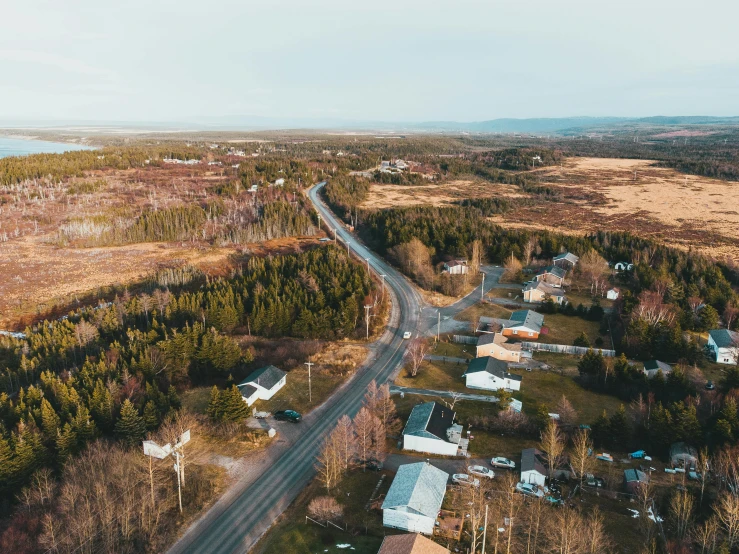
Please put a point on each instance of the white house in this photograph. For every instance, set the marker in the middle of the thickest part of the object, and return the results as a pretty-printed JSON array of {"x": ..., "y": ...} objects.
[
  {"x": 533, "y": 469},
  {"x": 262, "y": 384},
  {"x": 456, "y": 267},
  {"x": 415, "y": 498},
  {"x": 431, "y": 429},
  {"x": 613, "y": 294},
  {"x": 490, "y": 374},
  {"x": 724, "y": 345}
]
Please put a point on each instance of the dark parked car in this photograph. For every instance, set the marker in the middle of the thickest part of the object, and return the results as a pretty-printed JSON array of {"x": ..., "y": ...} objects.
[
  {"x": 374, "y": 465},
  {"x": 710, "y": 385},
  {"x": 288, "y": 415}
]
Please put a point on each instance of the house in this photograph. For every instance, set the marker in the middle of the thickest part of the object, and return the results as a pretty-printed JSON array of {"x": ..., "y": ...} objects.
[
  {"x": 565, "y": 261},
  {"x": 401, "y": 164},
  {"x": 653, "y": 367},
  {"x": 683, "y": 455},
  {"x": 280, "y": 182},
  {"x": 551, "y": 275},
  {"x": 613, "y": 294},
  {"x": 523, "y": 324},
  {"x": 539, "y": 291},
  {"x": 724, "y": 345},
  {"x": 431, "y": 429},
  {"x": 633, "y": 478},
  {"x": 410, "y": 544},
  {"x": 490, "y": 374},
  {"x": 262, "y": 384},
  {"x": 533, "y": 469},
  {"x": 497, "y": 346},
  {"x": 456, "y": 267},
  {"x": 415, "y": 498}
]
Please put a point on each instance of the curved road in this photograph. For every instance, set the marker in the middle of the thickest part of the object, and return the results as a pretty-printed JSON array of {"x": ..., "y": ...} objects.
[{"x": 237, "y": 520}]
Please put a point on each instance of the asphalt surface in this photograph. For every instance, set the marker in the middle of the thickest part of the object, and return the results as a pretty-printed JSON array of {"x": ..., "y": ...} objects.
[
  {"x": 395, "y": 389},
  {"x": 238, "y": 520}
]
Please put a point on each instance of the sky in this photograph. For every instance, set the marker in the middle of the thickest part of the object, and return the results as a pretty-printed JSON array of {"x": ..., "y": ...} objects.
[{"x": 349, "y": 60}]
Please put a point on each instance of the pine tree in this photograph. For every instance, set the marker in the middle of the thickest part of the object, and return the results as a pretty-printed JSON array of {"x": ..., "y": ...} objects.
[
  {"x": 215, "y": 406},
  {"x": 66, "y": 442},
  {"x": 131, "y": 427},
  {"x": 8, "y": 466},
  {"x": 49, "y": 420},
  {"x": 151, "y": 415},
  {"x": 234, "y": 407}
]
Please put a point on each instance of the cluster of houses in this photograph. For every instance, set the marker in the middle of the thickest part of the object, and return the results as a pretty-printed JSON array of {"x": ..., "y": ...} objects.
[{"x": 393, "y": 166}]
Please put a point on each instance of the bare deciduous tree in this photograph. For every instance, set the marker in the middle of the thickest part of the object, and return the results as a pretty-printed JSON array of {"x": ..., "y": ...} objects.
[
  {"x": 513, "y": 268},
  {"x": 325, "y": 508},
  {"x": 582, "y": 459},
  {"x": 414, "y": 355},
  {"x": 567, "y": 414},
  {"x": 727, "y": 511},
  {"x": 552, "y": 442},
  {"x": 329, "y": 463},
  {"x": 681, "y": 512}
]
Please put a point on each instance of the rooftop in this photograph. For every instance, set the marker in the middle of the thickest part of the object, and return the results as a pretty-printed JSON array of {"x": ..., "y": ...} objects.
[
  {"x": 266, "y": 377},
  {"x": 533, "y": 459},
  {"x": 410, "y": 544},
  {"x": 654, "y": 365},
  {"x": 553, "y": 270},
  {"x": 724, "y": 338},
  {"x": 635, "y": 476},
  {"x": 567, "y": 256},
  {"x": 527, "y": 318},
  {"x": 419, "y": 487},
  {"x": 493, "y": 366},
  {"x": 500, "y": 340},
  {"x": 429, "y": 420},
  {"x": 545, "y": 288}
]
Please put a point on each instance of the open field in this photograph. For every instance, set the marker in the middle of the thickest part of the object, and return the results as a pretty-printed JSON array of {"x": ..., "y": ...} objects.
[{"x": 436, "y": 194}]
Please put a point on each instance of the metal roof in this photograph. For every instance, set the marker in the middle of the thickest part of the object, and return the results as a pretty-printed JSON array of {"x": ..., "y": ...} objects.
[
  {"x": 532, "y": 459},
  {"x": 429, "y": 420},
  {"x": 655, "y": 365},
  {"x": 545, "y": 288},
  {"x": 527, "y": 318},
  {"x": 410, "y": 544},
  {"x": 635, "y": 476},
  {"x": 554, "y": 270},
  {"x": 492, "y": 366},
  {"x": 724, "y": 338},
  {"x": 419, "y": 487},
  {"x": 266, "y": 377},
  {"x": 567, "y": 256}
]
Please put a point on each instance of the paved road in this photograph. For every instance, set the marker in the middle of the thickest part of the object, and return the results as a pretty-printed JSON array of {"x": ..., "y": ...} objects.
[
  {"x": 237, "y": 521},
  {"x": 395, "y": 389}
]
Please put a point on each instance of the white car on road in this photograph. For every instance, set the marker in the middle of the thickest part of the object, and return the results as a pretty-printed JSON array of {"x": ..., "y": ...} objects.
[
  {"x": 503, "y": 462},
  {"x": 481, "y": 471},
  {"x": 464, "y": 479},
  {"x": 407, "y": 335}
]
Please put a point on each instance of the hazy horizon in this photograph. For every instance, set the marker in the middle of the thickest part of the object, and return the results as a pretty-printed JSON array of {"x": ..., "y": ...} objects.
[{"x": 388, "y": 62}]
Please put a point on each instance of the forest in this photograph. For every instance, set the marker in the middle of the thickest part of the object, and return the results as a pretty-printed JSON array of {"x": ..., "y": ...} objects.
[{"x": 116, "y": 371}]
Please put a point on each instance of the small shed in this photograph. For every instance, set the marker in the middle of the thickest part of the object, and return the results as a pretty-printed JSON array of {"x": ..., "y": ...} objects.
[
  {"x": 653, "y": 367},
  {"x": 532, "y": 467},
  {"x": 613, "y": 294},
  {"x": 633, "y": 478},
  {"x": 683, "y": 455}
]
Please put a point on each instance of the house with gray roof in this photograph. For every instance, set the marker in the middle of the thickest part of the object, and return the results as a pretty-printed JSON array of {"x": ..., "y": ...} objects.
[
  {"x": 525, "y": 324},
  {"x": 653, "y": 367},
  {"x": 566, "y": 260},
  {"x": 533, "y": 468},
  {"x": 633, "y": 479},
  {"x": 724, "y": 346},
  {"x": 415, "y": 498},
  {"x": 539, "y": 291},
  {"x": 551, "y": 275},
  {"x": 489, "y": 373},
  {"x": 431, "y": 429},
  {"x": 262, "y": 384}
]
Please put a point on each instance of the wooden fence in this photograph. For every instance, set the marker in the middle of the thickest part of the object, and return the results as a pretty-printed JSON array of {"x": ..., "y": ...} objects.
[{"x": 464, "y": 339}]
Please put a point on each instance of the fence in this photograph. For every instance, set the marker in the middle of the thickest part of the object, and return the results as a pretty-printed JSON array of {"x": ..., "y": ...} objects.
[
  {"x": 464, "y": 339},
  {"x": 565, "y": 349}
]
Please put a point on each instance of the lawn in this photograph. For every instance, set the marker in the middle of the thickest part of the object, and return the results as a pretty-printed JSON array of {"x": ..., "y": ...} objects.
[
  {"x": 546, "y": 387},
  {"x": 488, "y": 310},
  {"x": 435, "y": 375},
  {"x": 509, "y": 292},
  {"x": 294, "y": 395},
  {"x": 565, "y": 329},
  {"x": 454, "y": 350},
  {"x": 293, "y": 534},
  {"x": 583, "y": 297},
  {"x": 566, "y": 363}
]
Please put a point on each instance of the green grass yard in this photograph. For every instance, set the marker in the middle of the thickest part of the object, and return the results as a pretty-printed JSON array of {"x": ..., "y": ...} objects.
[{"x": 565, "y": 329}]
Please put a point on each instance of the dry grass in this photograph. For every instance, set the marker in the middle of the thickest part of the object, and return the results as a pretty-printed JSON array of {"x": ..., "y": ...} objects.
[{"x": 436, "y": 194}]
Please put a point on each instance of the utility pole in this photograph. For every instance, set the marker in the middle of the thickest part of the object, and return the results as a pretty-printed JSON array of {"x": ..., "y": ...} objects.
[
  {"x": 438, "y": 325},
  {"x": 368, "y": 268},
  {"x": 367, "y": 318},
  {"x": 334, "y": 235},
  {"x": 310, "y": 393},
  {"x": 177, "y": 469},
  {"x": 383, "y": 287},
  {"x": 319, "y": 221},
  {"x": 347, "y": 249},
  {"x": 482, "y": 288}
]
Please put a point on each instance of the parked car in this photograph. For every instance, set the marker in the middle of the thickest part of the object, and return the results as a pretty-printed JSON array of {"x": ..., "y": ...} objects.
[
  {"x": 407, "y": 335},
  {"x": 464, "y": 479},
  {"x": 593, "y": 481},
  {"x": 502, "y": 462},
  {"x": 374, "y": 464},
  {"x": 481, "y": 471},
  {"x": 554, "y": 501},
  {"x": 530, "y": 490},
  {"x": 710, "y": 385},
  {"x": 605, "y": 457},
  {"x": 288, "y": 415}
]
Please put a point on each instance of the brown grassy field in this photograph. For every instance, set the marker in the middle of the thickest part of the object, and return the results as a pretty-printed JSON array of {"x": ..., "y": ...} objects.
[{"x": 603, "y": 193}]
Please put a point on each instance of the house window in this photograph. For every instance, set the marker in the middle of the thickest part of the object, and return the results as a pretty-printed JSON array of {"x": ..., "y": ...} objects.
[
  {"x": 531, "y": 334},
  {"x": 515, "y": 332}
]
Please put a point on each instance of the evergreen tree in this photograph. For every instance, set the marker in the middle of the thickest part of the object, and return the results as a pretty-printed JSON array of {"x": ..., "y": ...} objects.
[
  {"x": 582, "y": 340},
  {"x": 215, "y": 405},
  {"x": 49, "y": 420},
  {"x": 708, "y": 318},
  {"x": 66, "y": 442},
  {"x": 8, "y": 465},
  {"x": 151, "y": 415},
  {"x": 131, "y": 427},
  {"x": 233, "y": 405}
]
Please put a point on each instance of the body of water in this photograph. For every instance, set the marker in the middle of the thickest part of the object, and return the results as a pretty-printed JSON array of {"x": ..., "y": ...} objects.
[{"x": 21, "y": 147}]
